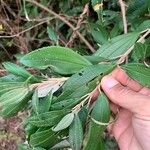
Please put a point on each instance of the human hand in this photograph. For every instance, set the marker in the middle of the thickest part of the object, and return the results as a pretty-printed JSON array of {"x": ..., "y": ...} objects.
[{"x": 132, "y": 128}]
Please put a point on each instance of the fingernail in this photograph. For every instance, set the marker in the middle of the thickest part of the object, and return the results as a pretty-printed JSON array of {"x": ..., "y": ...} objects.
[{"x": 108, "y": 82}]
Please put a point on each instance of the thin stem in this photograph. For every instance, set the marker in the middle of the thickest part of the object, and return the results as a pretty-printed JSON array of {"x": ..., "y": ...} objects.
[{"x": 123, "y": 11}]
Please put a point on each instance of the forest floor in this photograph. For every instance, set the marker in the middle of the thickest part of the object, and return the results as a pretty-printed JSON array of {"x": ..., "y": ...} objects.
[{"x": 11, "y": 132}]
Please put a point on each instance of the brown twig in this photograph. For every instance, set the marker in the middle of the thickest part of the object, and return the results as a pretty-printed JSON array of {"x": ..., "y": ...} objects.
[
  {"x": 73, "y": 36},
  {"x": 18, "y": 34},
  {"x": 123, "y": 11},
  {"x": 122, "y": 58},
  {"x": 64, "y": 20}
]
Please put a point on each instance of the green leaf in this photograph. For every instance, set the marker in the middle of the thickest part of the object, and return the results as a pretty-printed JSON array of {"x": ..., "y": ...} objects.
[
  {"x": 62, "y": 144},
  {"x": 45, "y": 138},
  {"x": 45, "y": 103},
  {"x": 8, "y": 86},
  {"x": 101, "y": 113},
  {"x": 76, "y": 133},
  {"x": 144, "y": 25},
  {"x": 94, "y": 2},
  {"x": 138, "y": 72},
  {"x": 117, "y": 46},
  {"x": 35, "y": 102},
  {"x": 52, "y": 34},
  {"x": 73, "y": 94},
  {"x": 17, "y": 70},
  {"x": 78, "y": 92},
  {"x": 14, "y": 96},
  {"x": 87, "y": 74},
  {"x": 30, "y": 129},
  {"x": 48, "y": 118},
  {"x": 96, "y": 59},
  {"x": 99, "y": 33},
  {"x": 83, "y": 114},
  {"x": 12, "y": 78},
  {"x": 12, "y": 109},
  {"x": 115, "y": 30},
  {"x": 60, "y": 59},
  {"x": 139, "y": 52},
  {"x": 67, "y": 103},
  {"x": 64, "y": 122}
]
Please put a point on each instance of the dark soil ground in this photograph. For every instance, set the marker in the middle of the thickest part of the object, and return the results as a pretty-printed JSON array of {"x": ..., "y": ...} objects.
[{"x": 11, "y": 132}]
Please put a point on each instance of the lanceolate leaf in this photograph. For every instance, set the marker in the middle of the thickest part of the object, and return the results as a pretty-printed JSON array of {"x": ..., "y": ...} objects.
[
  {"x": 101, "y": 113},
  {"x": 99, "y": 33},
  {"x": 68, "y": 103},
  {"x": 139, "y": 52},
  {"x": 10, "y": 110},
  {"x": 12, "y": 78},
  {"x": 62, "y": 144},
  {"x": 95, "y": 59},
  {"x": 138, "y": 72},
  {"x": 78, "y": 92},
  {"x": 87, "y": 74},
  {"x": 8, "y": 86},
  {"x": 16, "y": 70},
  {"x": 76, "y": 134},
  {"x": 83, "y": 114},
  {"x": 52, "y": 34},
  {"x": 14, "y": 96},
  {"x": 144, "y": 25},
  {"x": 117, "y": 46},
  {"x": 35, "y": 102},
  {"x": 45, "y": 103},
  {"x": 60, "y": 59},
  {"x": 64, "y": 122},
  {"x": 45, "y": 138},
  {"x": 47, "y": 119}
]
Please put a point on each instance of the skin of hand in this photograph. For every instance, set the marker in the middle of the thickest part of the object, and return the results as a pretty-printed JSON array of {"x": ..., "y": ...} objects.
[{"x": 132, "y": 128}]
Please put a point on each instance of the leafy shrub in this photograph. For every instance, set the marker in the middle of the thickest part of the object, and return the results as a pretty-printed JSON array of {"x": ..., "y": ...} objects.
[{"x": 62, "y": 114}]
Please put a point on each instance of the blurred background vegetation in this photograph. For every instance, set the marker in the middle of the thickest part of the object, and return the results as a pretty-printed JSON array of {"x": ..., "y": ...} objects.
[{"x": 28, "y": 24}]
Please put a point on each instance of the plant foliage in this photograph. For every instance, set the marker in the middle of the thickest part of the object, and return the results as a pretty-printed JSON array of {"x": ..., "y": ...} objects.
[{"x": 60, "y": 98}]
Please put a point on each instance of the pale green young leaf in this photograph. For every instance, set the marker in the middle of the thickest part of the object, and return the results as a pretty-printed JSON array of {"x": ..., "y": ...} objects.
[
  {"x": 62, "y": 60},
  {"x": 117, "y": 46},
  {"x": 76, "y": 133},
  {"x": 64, "y": 122},
  {"x": 138, "y": 72}
]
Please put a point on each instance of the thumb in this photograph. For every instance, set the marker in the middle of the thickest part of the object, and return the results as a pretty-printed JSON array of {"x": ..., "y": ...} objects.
[{"x": 124, "y": 96}]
